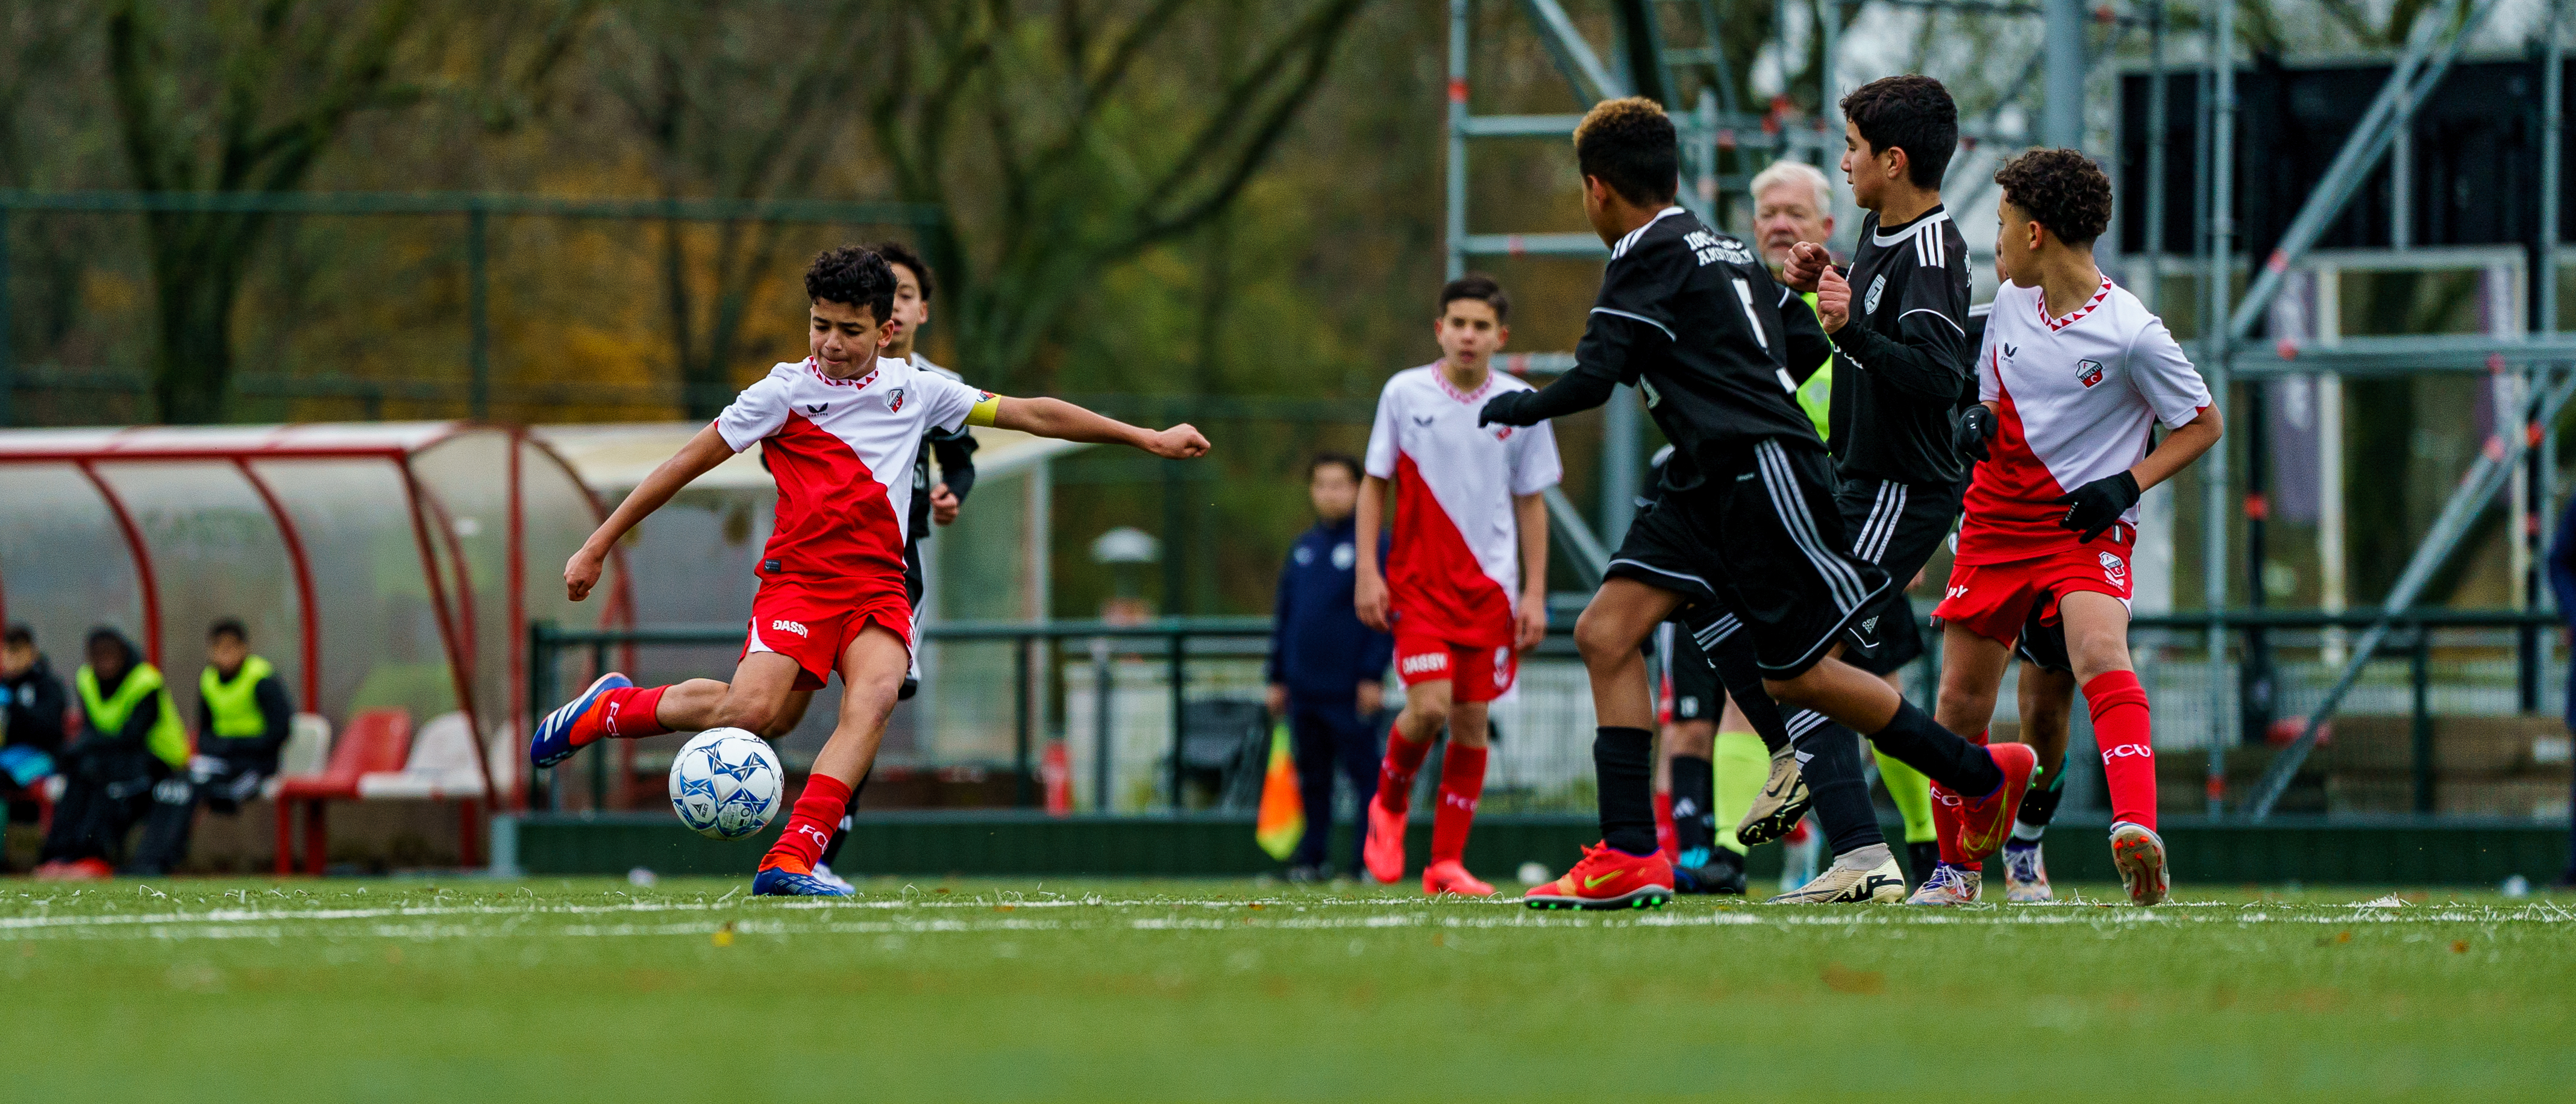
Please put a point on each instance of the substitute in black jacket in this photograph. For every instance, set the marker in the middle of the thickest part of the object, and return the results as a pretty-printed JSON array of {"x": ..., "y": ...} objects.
[
  {"x": 130, "y": 738},
  {"x": 243, "y": 717},
  {"x": 32, "y": 695},
  {"x": 1327, "y": 670}
]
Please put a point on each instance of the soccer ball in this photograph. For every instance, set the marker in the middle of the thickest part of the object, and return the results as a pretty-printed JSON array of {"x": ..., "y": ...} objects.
[{"x": 726, "y": 784}]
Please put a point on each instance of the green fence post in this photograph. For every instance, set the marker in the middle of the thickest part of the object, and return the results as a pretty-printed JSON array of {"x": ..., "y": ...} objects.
[
  {"x": 478, "y": 277},
  {"x": 8, "y": 358},
  {"x": 1021, "y": 723},
  {"x": 1179, "y": 697},
  {"x": 2419, "y": 674}
]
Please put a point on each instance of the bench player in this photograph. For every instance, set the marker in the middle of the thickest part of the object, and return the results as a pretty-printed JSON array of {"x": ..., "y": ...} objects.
[
  {"x": 838, "y": 431},
  {"x": 2074, "y": 375},
  {"x": 1748, "y": 531},
  {"x": 1464, "y": 588}
]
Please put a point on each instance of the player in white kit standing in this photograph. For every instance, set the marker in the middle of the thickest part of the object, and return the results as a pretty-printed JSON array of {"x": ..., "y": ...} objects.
[
  {"x": 1464, "y": 588},
  {"x": 2074, "y": 376}
]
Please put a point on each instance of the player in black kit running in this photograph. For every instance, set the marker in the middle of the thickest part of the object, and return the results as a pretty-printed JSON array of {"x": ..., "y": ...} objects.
[{"x": 1693, "y": 319}]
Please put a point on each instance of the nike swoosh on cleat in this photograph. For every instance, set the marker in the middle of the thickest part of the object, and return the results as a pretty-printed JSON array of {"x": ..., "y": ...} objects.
[{"x": 1595, "y": 883}]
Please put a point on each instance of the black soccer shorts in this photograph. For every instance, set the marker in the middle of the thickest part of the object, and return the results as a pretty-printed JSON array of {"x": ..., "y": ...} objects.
[
  {"x": 1686, "y": 674},
  {"x": 1764, "y": 538},
  {"x": 1896, "y": 526}
]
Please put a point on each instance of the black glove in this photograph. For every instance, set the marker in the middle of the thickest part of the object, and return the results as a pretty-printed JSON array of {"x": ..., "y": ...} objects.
[
  {"x": 2095, "y": 506},
  {"x": 1505, "y": 409},
  {"x": 1976, "y": 426}
]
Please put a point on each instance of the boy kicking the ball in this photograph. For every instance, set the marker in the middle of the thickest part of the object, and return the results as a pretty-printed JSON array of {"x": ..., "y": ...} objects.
[{"x": 839, "y": 431}]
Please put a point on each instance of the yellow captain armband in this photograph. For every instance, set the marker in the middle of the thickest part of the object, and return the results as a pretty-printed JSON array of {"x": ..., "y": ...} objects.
[{"x": 986, "y": 409}]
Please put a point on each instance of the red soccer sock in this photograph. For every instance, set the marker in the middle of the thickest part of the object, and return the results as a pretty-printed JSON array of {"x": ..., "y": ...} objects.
[
  {"x": 1665, "y": 838},
  {"x": 818, "y": 810},
  {"x": 631, "y": 712},
  {"x": 1395, "y": 775},
  {"x": 2120, "y": 727},
  {"x": 1462, "y": 782}
]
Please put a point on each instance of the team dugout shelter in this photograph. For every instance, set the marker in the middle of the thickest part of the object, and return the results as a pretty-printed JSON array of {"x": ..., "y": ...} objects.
[{"x": 382, "y": 567}]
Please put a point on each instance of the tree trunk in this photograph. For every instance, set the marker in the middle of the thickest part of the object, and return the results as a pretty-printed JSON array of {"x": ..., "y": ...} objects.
[{"x": 197, "y": 266}]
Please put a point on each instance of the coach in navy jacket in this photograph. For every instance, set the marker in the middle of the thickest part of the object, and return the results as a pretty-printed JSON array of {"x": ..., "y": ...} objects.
[{"x": 1327, "y": 671}]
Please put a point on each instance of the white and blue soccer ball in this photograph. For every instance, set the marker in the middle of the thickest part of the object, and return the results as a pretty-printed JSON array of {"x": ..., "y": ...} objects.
[{"x": 726, "y": 784}]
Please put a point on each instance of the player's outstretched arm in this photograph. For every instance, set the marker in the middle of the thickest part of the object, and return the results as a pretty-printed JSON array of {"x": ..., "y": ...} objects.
[
  {"x": 700, "y": 456},
  {"x": 1066, "y": 422}
]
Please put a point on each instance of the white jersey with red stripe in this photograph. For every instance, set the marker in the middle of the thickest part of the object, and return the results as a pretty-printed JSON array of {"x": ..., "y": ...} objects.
[
  {"x": 2077, "y": 398},
  {"x": 842, "y": 453},
  {"x": 1453, "y": 570}
]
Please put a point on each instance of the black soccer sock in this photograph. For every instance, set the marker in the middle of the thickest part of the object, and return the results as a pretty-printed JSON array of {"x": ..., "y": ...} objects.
[
  {"x": 2040, "y": 804},
  {"x": 1918, "y": 741},
  {"x": 1732, "y": 659},
  {"x": 1830, "y": 761},
  {"x": 1623, "y": 764},
  {"x": 1920, "y": 858},
  {"x": 1694, "y": 803}
]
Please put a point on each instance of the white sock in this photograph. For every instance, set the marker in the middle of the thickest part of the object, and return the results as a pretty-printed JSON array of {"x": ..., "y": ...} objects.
[{"x": 1864, "y": 858}]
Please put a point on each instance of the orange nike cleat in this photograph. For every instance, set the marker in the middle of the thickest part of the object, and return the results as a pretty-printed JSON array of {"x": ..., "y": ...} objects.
[
  {"x": 1608, "y": 878},
  {"x": 1383, "y": 854},
  {"x": 1450, "y": 876},
  {"x": 1986, "y": 823}
]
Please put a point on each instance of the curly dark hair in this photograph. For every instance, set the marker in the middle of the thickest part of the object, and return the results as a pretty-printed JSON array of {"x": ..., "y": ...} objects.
[
  {"x": 1913, "y": 113},
  {"x": 896, "y": 252},
  {"x": 1630, "y": 145},
  {"x": 854, "y": 276},
  {"x": 2060, "y": 189}
]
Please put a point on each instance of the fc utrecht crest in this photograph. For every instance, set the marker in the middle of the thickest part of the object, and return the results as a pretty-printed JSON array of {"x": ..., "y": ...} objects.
[
  {"x": 894, "y": 401},
  {"x": 2088, "y": 372},
  {"x": 2113, "y": 568}
]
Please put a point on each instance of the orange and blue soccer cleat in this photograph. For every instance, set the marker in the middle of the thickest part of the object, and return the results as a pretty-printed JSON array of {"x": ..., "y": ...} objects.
[
  {"x": 575, "y": 725},
  {"x": 785, "y": 877},
  {"x": 1608, "y": 878},
  {"x": 1985, "y": 823}
]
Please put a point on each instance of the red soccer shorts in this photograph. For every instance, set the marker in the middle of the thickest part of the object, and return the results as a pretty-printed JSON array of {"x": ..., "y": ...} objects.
[
  {"x": 814, "y": 632},
  {"x": 1994, "y": 600},
  {"x": 1475, "y": 674}
]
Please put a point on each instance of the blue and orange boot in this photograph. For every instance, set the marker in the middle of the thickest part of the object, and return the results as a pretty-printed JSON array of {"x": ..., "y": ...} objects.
[
  {"x": 574, "y": 726},
  {"x": 783, "y": 876},
  {"x": 1608, "y": 878}
]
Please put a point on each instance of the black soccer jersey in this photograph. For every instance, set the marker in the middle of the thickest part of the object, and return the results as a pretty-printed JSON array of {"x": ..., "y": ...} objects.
[
  {"x": 1691, "y": 318},
  {"x": 1905, "y": 353}
]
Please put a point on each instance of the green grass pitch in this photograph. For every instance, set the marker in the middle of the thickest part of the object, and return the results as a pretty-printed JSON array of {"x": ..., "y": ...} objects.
[{"x": 470, "y": 989}]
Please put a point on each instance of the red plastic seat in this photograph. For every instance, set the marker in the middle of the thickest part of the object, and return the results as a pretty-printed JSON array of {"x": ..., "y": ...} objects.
[{"x": 376, "y": 740}]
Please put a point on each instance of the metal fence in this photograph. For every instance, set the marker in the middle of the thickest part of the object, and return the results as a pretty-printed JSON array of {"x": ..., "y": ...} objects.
[{"x": 1165, "y": 715}]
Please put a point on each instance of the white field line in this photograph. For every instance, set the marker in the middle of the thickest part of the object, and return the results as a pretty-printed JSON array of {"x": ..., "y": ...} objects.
[{"x": 429, "y": 922}]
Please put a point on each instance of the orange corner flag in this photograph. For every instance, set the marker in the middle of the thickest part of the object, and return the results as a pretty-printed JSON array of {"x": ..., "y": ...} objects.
[{"x": 1283, "y": 810}]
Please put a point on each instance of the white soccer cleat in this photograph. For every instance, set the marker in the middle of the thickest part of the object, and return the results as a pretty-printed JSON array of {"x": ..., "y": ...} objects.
[
  {"x": 823, "y": 873},
  {"x": 1949, "y": 885},
  {"x": 1841, "y": 885},
  {"x": 2140, "y": 854},
  {"x": 1782, "y": 802},
  {"x": 2025, "y": 876}
]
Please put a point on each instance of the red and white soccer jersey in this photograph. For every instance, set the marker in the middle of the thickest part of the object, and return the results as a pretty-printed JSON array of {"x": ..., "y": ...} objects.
[
  {"x": 842, "y": 453},
  {"x": 1453, "y": 571},
  {"x": 2077, "y": 398}
]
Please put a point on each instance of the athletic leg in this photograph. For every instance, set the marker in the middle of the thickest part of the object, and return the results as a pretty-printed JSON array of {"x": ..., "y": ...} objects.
[
  {"x": 2097, "y": 640},
  {"x": 2047, "y": 697},
  {"x": 871, "y": 668},
  {"x": 1408, "y": 741},
  {"x": 1462, "y": 785},
  {"x": 1625, "y": 870}
]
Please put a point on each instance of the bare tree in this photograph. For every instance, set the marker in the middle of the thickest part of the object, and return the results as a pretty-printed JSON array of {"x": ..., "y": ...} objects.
[
  {"x": 248, "y": 97},
  {"x": 1060, "y": 138},
  {"x": 724, "y": 109}
]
